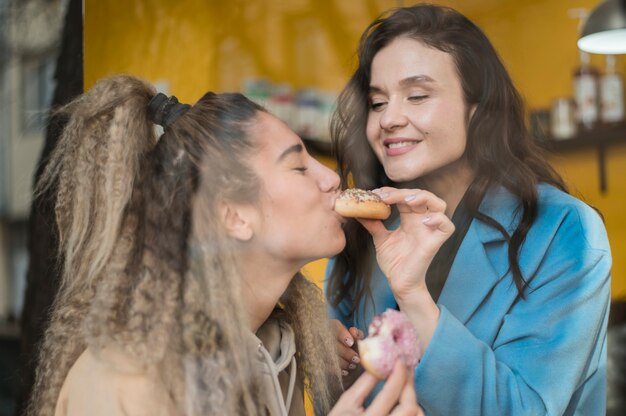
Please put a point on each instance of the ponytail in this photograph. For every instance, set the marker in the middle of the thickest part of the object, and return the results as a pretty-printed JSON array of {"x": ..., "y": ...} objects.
[{"x": 92, "y": 169}]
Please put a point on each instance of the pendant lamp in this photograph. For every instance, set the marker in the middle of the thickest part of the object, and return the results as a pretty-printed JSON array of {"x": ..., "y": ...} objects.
[{"x": 604, "y": 31}]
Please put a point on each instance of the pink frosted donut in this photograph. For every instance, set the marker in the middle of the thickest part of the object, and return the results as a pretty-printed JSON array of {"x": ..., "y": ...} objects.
[{"x": 391, "y": 337}]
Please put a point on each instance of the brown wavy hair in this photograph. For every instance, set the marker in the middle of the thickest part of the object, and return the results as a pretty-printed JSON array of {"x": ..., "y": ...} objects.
[
  {"x": 147, "y": 265},
  {"x": 499, "y": 148}
]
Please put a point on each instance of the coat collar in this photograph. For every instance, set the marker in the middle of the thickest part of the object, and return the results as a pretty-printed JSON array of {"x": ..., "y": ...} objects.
[
  {"x": 482, "y": 259},
  {"x": 480, "y": 263},
  {"x": 502, "y": 206}
]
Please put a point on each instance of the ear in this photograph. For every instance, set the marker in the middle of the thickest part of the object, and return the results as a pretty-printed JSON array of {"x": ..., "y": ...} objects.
[{"x": 237, "y": 221}]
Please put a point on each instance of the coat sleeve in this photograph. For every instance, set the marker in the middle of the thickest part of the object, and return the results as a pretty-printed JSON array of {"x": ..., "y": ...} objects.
[{"x": 550, "y": 349}]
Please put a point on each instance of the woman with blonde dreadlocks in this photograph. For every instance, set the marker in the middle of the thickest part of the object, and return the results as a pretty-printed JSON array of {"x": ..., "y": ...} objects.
[{"x": 181, "y": 288}]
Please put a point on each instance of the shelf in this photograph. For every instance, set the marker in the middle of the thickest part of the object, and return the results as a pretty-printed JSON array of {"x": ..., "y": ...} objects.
[
  {"x": 599, "y": 138},
  {"x": 602, "y": 136}
]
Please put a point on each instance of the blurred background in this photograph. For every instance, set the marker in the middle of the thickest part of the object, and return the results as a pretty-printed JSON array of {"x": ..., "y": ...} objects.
[{"x": 293, "y": 56}]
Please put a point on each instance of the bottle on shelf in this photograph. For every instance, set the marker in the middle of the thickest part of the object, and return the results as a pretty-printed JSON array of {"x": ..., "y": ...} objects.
[
  {"x": 586, "y": 92},
  {"x": 563, "y": 119},
  {"x": 611, "y": 94}
]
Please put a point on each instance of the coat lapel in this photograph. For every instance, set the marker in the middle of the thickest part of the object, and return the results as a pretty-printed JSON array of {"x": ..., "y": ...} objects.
[
  {"x": 471, "y": 278},
  {"x": 481, "y": 261}
]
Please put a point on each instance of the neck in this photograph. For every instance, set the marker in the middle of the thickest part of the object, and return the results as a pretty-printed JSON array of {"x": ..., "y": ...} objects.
[
  {"x": 263, "y": 283},
  {"x": 448, "y": 183}
]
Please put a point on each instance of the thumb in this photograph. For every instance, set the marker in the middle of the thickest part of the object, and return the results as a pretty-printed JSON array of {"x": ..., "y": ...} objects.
[
  {"x": 343, "y": 334},
  {"x": 375, "y": 227}
]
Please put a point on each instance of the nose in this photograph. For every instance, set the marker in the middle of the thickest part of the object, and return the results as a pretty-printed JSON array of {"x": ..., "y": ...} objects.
[
  {"x": 392, "y": 116},
  {"x": 327, "y": 179}
]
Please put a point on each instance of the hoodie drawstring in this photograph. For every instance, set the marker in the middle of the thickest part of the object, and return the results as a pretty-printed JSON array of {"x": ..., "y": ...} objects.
[
  {"x": 292, "y": 383},
  {"x": 292, "y": 379}
]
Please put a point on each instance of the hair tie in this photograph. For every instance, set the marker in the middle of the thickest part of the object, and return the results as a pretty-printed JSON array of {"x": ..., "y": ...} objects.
[{"x": 164, "y": 110}]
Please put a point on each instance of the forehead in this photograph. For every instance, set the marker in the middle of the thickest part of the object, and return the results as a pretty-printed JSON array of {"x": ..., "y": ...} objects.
[
  {"x": 406, "y": 58},
  {"x": 272, "y": 137}
]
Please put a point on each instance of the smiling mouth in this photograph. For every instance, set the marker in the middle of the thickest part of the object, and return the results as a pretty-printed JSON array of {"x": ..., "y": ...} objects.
[{"x": 398, "y": 145}]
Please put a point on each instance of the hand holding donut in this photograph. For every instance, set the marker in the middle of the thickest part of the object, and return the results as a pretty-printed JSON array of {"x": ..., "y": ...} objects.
[
  {"x": 392, "y": 337},
  {"x": 349, "y": 359},
  {"x": 404, "y": 254},
  {"x": 396, "y": 398}
]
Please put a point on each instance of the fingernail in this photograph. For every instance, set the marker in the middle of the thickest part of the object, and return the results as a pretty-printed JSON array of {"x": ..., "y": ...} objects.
[
  {"x": 426, "y": 219},
  {"x": 356, "y": 359},
  {"x": 349, "y": 341},
  {"x": 380, "y": 193},
  {"x": 410, "y": 197},
  {"x": 344, "y": 373},
  {"x": 351, "y": 366}
]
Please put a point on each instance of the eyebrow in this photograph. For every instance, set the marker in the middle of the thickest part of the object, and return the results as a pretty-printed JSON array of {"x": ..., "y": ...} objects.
[
  {"x": 296, "y": 148},
  {"x": 406, "y": 82}
]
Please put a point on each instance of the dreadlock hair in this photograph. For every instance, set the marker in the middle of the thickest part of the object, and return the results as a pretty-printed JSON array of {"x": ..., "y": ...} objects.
[{"x": 147, "y": 265}]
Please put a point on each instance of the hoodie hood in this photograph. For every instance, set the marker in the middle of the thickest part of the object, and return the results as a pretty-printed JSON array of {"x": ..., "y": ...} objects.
[{"x": 274, "y": 349}]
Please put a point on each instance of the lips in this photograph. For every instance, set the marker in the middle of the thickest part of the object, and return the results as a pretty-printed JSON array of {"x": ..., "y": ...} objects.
[
  {"x": 399, "y": 145},
  {"x": 341, "y": 219}
]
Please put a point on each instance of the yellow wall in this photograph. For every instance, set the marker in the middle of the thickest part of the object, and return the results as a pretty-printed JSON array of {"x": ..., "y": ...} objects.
[
  {"x": 536, "y": 39},
  {"x": 199, "y": 45}
]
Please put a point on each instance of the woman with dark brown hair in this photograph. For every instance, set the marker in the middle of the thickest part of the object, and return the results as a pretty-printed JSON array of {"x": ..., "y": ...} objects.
[
  {"x": 181, "y": 290},
  {"x": 512, "y": 312}
]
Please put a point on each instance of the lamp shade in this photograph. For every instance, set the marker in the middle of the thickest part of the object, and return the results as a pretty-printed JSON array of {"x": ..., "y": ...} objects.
[{"x": 604, "y": 31}]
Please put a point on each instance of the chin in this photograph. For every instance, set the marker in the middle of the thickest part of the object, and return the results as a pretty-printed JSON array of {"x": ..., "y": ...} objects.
[
  {"x": 401, "y": 172},
  {"x": 400, "y": 177},
  {"x": 337, "y": 246}
]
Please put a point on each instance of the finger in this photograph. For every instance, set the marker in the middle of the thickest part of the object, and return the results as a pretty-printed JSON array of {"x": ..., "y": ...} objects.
[
  {"x": 424, "y": 201},
  {"x": 361, "y": 388},
  {"x": 408, "y": 400},
  {"x": 439, "y": 221},
  {"x": 356, "y": 333},
  {"x": 419, "y": 200},
  {"x": 388, "y": 396},
  {"x": 408, "y": 395},
  {"x": 349, "y": 356},
  {"x": 343, "y": 335},
  {"x": 407, "y": 410},
  {"x": 393, "y": 195},
  {"x": 384, "y": 191},
  {"x": 374, "y": 227}
]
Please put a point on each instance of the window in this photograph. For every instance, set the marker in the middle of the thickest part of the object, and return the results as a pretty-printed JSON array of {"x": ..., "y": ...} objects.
[{"x": 37, "y": 89}]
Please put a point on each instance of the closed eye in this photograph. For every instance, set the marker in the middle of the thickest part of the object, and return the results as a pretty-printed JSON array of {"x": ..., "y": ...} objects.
[
  {"x": 417, "y": 97},
  {"x": 301, "y": 169},
  {"x": 376, "y": 106}
]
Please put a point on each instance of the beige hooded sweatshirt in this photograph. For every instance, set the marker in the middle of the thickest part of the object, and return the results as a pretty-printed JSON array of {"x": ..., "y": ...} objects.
[{"x": 112, "y": 384}]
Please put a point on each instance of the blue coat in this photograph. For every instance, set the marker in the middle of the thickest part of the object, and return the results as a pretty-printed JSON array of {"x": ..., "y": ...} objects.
[{"x": 495, "y": 354}]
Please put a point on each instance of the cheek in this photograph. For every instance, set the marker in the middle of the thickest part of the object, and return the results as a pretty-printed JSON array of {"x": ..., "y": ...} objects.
[
  {"x": 457, "y": 132},
  {"x": 372, "y": 131},
  {"x": 430, "y": 117}
]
